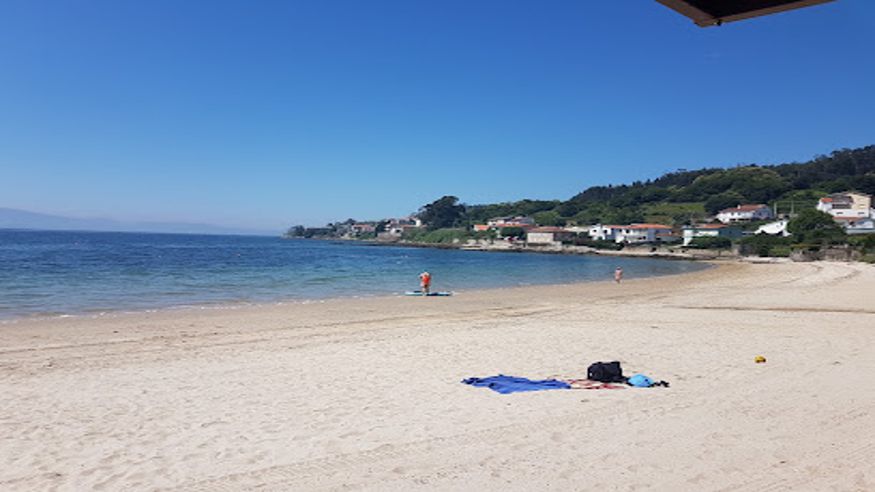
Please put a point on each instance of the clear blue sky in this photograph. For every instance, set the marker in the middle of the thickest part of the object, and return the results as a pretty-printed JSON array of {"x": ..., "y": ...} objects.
[{"x": 270, "y": 113}]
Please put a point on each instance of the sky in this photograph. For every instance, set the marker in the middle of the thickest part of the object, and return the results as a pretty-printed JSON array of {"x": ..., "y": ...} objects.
[{"x": 273, "y": 113}]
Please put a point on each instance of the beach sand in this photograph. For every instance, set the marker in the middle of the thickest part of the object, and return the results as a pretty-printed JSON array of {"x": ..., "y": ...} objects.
[{"x": 365, "y": 393}]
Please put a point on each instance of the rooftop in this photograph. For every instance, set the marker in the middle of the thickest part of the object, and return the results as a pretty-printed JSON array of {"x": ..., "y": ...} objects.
[
  {"x": 748, "y": 207},
  {"x": 647, "y": 226},
  {"x": 548, "y": 229},
  {"x": 715, "y": 12}
]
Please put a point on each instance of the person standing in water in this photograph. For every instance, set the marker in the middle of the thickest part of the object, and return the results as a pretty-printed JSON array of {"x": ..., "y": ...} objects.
[
  {"x": 425, "y": 282},
  {"x": 618, "y": 275}
]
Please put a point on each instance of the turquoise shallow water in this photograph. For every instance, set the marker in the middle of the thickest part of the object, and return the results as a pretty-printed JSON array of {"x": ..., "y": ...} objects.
[{"x": 53, "y": 273}]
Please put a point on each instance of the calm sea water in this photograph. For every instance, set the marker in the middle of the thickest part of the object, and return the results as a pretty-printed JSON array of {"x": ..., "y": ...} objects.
[{"x": 53, "y": 273}]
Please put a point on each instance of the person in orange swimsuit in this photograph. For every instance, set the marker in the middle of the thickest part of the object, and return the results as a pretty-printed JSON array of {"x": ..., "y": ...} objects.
[{"x": 425, "y": 282}]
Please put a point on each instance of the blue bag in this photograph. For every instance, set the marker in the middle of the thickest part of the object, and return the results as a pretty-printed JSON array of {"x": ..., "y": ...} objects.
[{"x": 640, "y": 381}]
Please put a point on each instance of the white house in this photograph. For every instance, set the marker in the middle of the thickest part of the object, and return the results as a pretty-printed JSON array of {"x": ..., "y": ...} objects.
[
  {"x": 519, "y": 221},
  {"x": 847, "y": 204},
  {"x": 499, "y": 223},
  {"x": 857, "y": 225},
  {"x": 397, "y": 227},
  {"x": 745, "y": 213},
  {"x": 601, "y": 232},
  {"x": 645, "y": 233},
  {"x": 710, "y": 230},
  {"x": 850, "y": 209},
  {"x": 362, "y": 228}
]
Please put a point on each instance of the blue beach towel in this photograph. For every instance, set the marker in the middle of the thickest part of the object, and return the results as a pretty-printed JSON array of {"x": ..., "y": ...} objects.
[{"x": 510, "y": 384}]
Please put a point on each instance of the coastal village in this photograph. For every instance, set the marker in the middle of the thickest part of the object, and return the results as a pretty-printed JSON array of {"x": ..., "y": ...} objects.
[{"x": 852, "y": 211}]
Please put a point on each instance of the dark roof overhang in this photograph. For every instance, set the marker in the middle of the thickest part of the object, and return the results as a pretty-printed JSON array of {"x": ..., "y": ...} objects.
[{"x": 715, "y": 12}]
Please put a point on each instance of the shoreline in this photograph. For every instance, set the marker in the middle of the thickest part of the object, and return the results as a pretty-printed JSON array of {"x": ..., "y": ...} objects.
[
  {"x": 261, "y": 304},
  {"x": 840, "y": 254},
  {"x": 631, "y": 251},
  {"x": 365, "y": 393}
]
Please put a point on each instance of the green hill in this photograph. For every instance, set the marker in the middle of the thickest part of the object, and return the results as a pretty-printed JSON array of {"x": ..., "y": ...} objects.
[{"x": 686, "y": 196}]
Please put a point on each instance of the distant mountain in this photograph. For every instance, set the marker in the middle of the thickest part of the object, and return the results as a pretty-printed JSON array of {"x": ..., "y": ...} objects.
[{"x": 11, "y": 218}]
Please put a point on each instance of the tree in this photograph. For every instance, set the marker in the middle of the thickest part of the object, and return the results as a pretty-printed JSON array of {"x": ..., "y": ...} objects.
[
  {"x": 623, "y": 216},
  {"x": 866, "y": 184},
  {"x": 765, "y": 245},
  {"x": 814, "y": 226},
  {"x": 295, "y": 231},
  {"x": 568, "y": 209},
  {"x": 548, "y": 218},
  {"x": 442, "y": 213},
  {"x": 711, "y": 243},
  {"x": 718, "y": 202},
  {"x": 518, "y": 232}
]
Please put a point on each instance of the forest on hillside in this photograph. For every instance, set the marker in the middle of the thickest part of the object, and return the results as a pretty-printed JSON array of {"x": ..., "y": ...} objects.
[
  {"x": 687, "y": 196},
  {"x": 676, "y": 198}
]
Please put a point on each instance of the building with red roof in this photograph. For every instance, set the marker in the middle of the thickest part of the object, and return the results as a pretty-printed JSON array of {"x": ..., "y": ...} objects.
[{"x": 847, "y": 204}]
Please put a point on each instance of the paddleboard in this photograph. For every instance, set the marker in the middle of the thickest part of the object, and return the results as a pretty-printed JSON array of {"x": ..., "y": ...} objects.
[{"x": 430, "y": 294}]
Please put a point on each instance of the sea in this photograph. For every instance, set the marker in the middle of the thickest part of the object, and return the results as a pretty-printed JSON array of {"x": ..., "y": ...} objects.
[{"x": 50, "y": 273}]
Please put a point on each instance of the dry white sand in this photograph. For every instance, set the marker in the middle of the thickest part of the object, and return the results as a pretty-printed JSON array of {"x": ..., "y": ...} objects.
[{"x": 365, "y": 394}]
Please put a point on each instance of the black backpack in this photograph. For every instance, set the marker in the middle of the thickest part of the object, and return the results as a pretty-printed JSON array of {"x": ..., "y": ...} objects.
[{"x": 606, "y": 372}]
